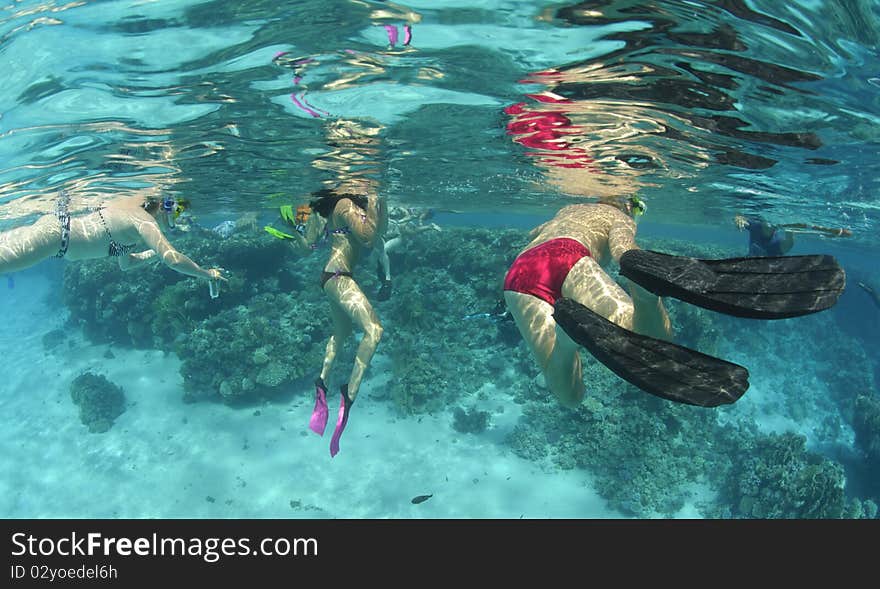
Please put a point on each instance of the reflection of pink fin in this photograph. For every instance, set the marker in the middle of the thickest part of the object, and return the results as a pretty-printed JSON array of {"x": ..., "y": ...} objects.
[
  {"x": 407, "y": 34},
  {"x": 303, "y": 107},
  {"x": 392, "y": 34},
  {"x": 341, "y": 421},
  {"x": 280, "y": 53},
  {"x": 318, "y": 421},
  {"x": 313, "y": 107}
]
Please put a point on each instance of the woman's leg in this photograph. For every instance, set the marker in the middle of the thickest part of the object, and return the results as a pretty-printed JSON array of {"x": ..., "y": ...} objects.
[
  {"x": 23, "y": 247},
  {"x": 347, "y": 296},
  {"x": 341, "y": 332},
  {"x": 392, "y": 244},
  {"x": 384, "y": 262},
  {"x": 556, "y": 354}
]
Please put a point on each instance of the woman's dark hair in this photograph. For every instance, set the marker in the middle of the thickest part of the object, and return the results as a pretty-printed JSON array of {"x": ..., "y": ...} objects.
[{"x": 325, "y": 200}]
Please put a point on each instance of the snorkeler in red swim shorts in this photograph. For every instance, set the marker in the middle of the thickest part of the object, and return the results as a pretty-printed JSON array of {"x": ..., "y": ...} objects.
[
  {"x": 540, "y": 271},
  {"x": 564, "y": 261}
]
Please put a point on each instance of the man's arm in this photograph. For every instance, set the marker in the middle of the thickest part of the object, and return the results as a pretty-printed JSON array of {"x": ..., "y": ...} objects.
[
  {"x": 650, "y": 316},
  {"x": 621, "y": 239}
]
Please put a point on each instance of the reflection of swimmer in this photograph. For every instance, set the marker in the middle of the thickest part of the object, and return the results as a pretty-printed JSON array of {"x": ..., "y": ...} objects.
[
  {"x": 358, "y": 65},
  {"x": 118, "y": 229},
  {"x": 388, "y": 16},
  {"x": 873, "y": 293},
  {"x": 403, "y": 222},
  {"x": 766, "y": 239}
]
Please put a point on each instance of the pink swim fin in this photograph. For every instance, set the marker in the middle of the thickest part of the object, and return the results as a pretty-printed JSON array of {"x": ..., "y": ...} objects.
[
  {"x": 342, "y": 419},
  {"x": 392, "y": 34},
  {"x": 407, "y": 34},
  {"x": 318, "y": 421}
]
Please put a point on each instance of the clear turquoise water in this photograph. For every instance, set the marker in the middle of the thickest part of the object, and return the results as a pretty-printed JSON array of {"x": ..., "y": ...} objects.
[{"x": 753, "y": 107}]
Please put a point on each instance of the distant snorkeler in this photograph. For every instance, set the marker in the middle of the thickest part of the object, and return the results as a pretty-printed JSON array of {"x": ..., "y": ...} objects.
[
  {"x": 766, "y": 239},
  {"x": 403, "y": 223},
  {"x": 350, "y": 225},
  {"x": 561, "y": 298},
  {"x": 126, "y": 228}
]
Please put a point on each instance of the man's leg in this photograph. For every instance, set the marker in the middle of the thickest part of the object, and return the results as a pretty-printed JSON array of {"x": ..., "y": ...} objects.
[{"x": 555, "y": 353}]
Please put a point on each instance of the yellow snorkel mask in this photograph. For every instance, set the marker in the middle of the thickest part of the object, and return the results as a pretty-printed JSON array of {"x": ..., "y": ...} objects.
[
  {"x": 181, "y": 205},
  {"x": 295, "y": 218},
  {"x": 637, "y": 206}
]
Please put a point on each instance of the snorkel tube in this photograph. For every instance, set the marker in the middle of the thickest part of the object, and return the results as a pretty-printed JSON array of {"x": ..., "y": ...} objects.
[{"x": 168, "y": 206}]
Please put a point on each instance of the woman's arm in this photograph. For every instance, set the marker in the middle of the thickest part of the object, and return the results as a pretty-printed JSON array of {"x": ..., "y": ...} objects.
[
  {"x": 361, "y": 224},
  {"x": 153, "y": 237},
  {"x": 304, "y": 243},
  {"x": 534, "y": 232},
  {"x": 130, "y": 261}
]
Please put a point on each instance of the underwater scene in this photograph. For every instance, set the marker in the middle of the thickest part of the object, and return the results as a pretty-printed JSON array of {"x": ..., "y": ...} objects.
[{"x": 375, "y": 260}]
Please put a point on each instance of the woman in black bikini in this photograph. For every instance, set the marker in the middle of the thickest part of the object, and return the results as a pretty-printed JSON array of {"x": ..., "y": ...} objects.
[
  {"x": 350, "y": 224},
  {"x": 115, "y": 229}
]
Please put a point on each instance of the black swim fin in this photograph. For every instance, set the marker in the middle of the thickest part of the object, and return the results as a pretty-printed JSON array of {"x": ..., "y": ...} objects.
[
  {"x": 758, "y": 288},
  {"x": 657, "y": 367}
]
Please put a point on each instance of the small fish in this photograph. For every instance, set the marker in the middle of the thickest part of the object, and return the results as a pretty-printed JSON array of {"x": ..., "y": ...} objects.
[{"x": 421, "y": 499}]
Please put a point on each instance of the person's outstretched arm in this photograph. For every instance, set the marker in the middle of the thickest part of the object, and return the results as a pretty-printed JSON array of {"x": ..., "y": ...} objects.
[
  {"x": 829, "y": 231},
  {"x": 152, "y": 235},
  {"x": 130, "y": 261}
]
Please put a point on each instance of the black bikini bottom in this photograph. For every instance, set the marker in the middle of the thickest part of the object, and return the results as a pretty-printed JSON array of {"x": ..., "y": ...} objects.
[{"x": 325, "y": 276}]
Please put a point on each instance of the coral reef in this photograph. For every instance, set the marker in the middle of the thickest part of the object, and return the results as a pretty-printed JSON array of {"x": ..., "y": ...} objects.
[
  {"x": 640, "y": 449},
  {"x": 148, "y": 307},
  {"x": 252, "y": 350},
  {"x": 470, "y": 421},
  {"x": 776, "y": 477},
  {"x": 100, "y": 401},
  {"x": 269, "y": 326},
  {"x": 866, "y": 424}
]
